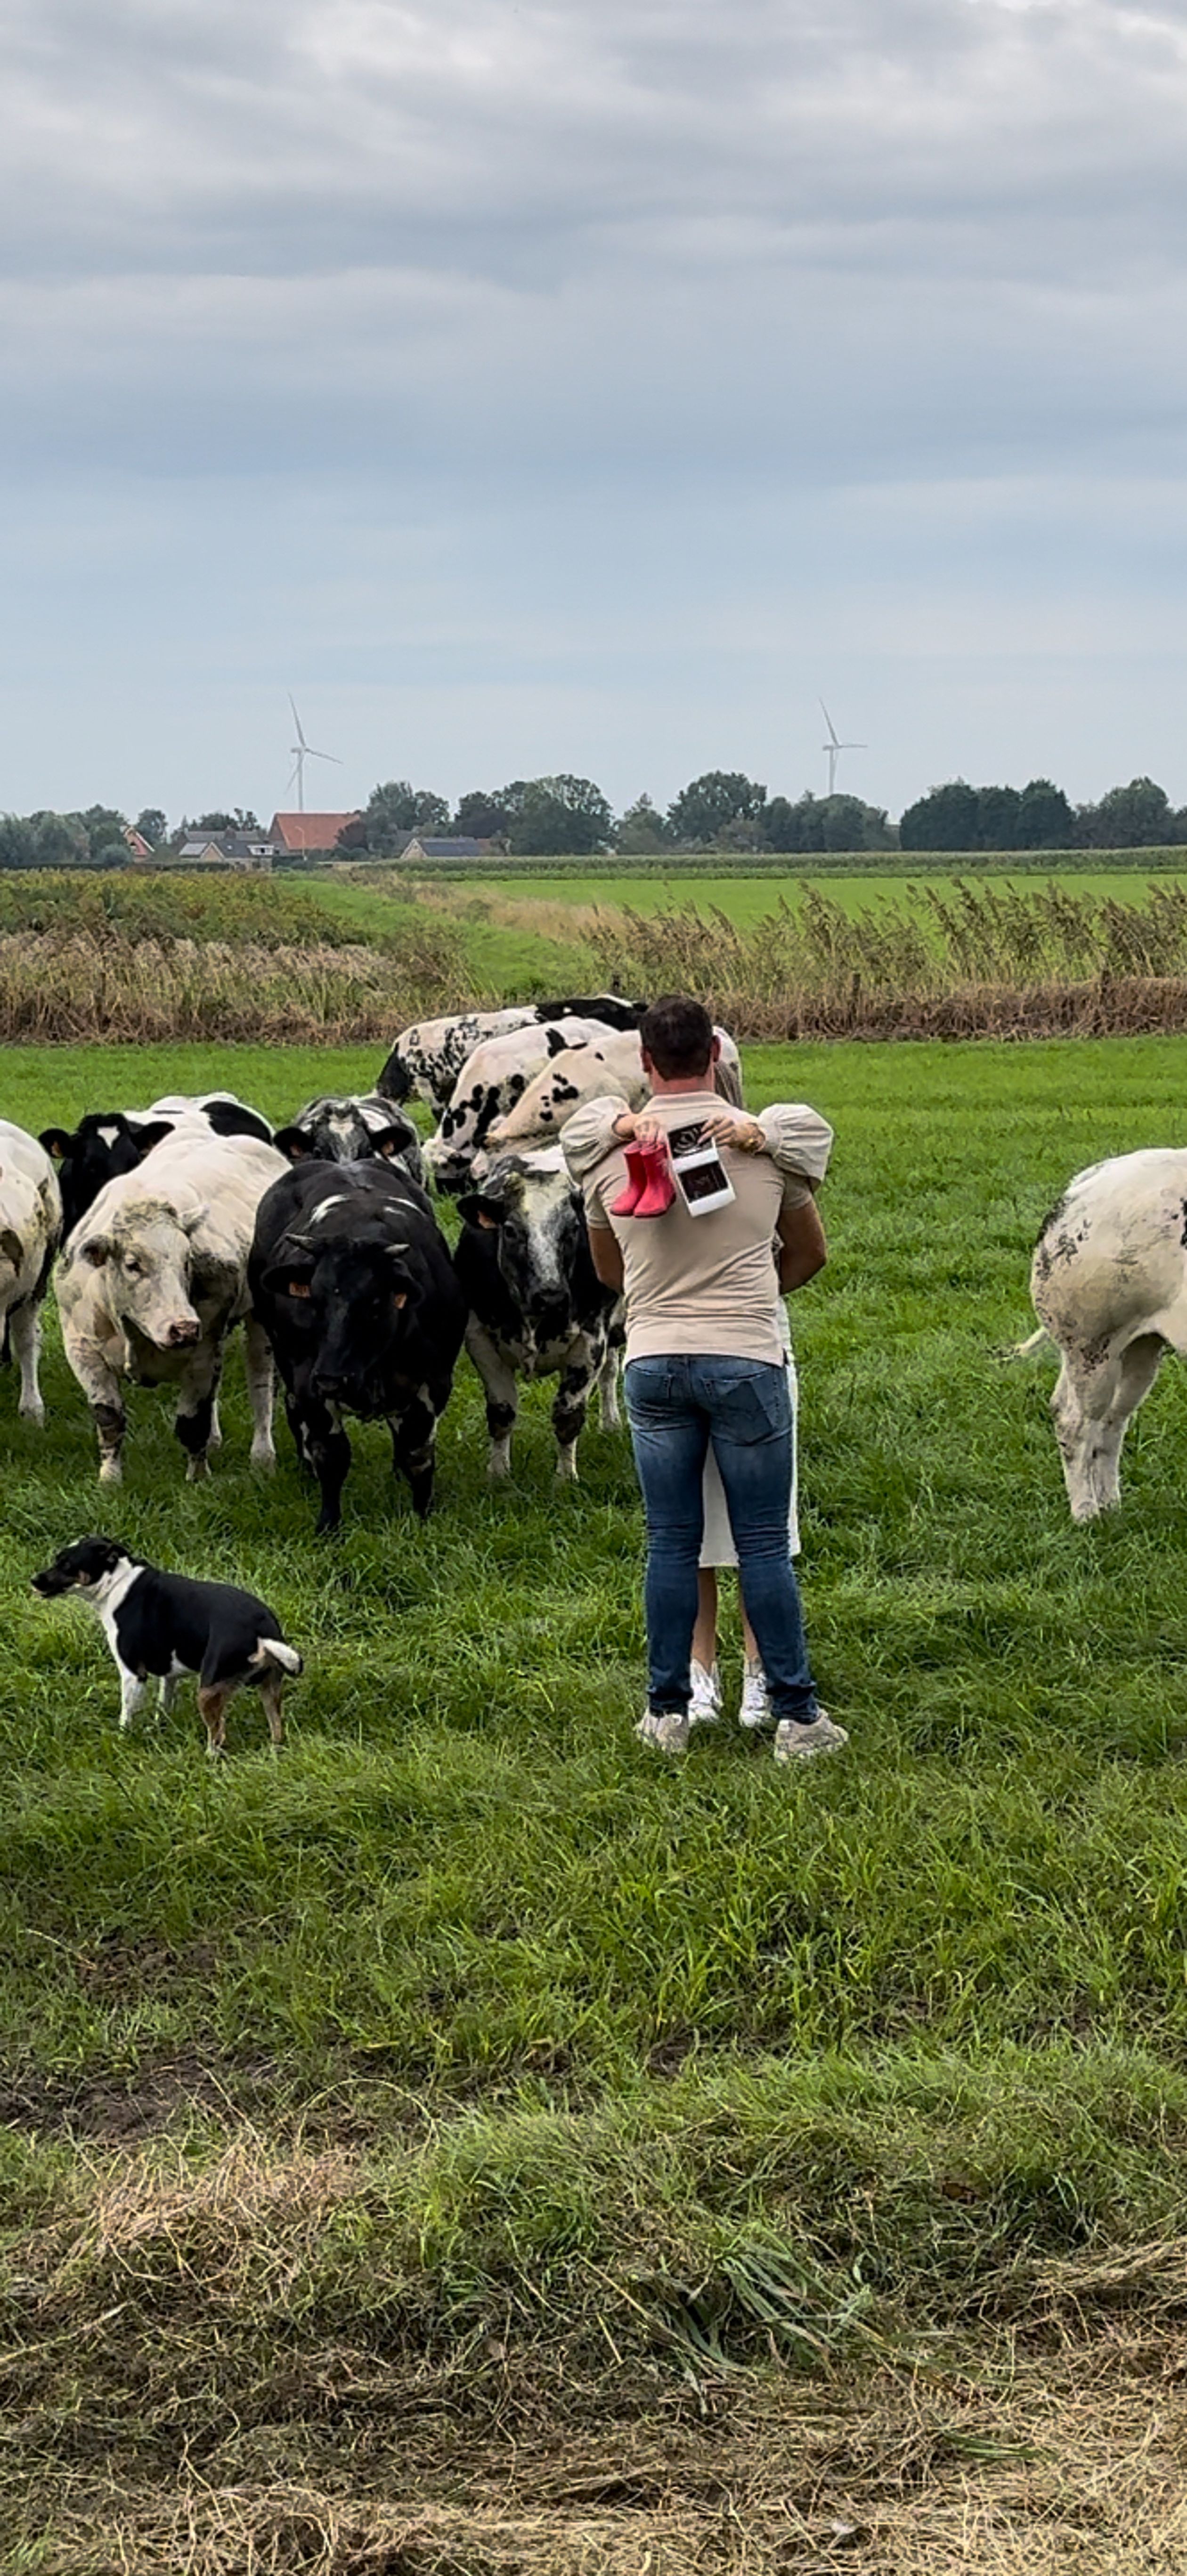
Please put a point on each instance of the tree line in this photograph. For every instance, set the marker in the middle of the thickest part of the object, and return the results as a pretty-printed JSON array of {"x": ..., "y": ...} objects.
[{"x": 723, "y": 809}]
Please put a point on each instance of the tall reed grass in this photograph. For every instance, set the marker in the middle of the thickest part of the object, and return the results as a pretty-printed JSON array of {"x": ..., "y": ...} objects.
[{"x": 968, "y": 961}]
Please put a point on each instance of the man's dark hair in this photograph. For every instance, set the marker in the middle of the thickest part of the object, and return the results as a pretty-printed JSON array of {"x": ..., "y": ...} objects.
[{"x": 677, "y": 1034}]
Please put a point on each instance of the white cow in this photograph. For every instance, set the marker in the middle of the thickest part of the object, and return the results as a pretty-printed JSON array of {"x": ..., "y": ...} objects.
[
  {"x": 427, "y": 1058},
  {"x": 489, "y": 1084},
  {"x": 1109, "y": 1285},
  {"x": 154, "y": 1279},
  {"x": 612, "y": 1065},
  {"x": 30, "y": 1232}
]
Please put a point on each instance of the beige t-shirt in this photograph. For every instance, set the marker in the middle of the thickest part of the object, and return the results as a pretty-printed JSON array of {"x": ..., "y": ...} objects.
[{"x": 699, "y": 1284}]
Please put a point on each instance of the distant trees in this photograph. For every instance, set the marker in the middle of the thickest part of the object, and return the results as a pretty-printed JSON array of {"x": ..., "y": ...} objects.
[
  {"x": 153, "y": 823},
  {"x": 642, "y": 830},
  {"x": 960, "y": 817},
  {"x": 719, "y": 809},
  {"x": 825, "y": 823},
  {"x": 1039, "y": 817}
]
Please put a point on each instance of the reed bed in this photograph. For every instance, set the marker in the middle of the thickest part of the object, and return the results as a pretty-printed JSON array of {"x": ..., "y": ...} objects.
[
  {"x": 90, "y": 987},
  {"x": 971, "y": 961}
]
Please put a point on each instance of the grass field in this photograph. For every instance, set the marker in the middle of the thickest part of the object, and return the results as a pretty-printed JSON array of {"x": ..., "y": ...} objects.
[
  {"x": 466, "y": 2116},
  {"x": 542, "y": 933}
]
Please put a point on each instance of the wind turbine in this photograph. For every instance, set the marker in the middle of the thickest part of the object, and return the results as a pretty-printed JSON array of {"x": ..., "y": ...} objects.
[
  {"x": 833, "y": 747},
  {"x": 303, "y": 751}
]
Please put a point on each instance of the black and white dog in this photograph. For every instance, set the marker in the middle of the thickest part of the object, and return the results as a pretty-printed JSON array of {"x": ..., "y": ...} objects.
[{"x": 167, "y": 1625}]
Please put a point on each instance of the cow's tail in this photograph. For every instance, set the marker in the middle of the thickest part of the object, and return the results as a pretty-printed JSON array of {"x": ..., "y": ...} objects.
[
  {"x": 274, "y": 1650},
  {"x": 1026, "y": 1350}
]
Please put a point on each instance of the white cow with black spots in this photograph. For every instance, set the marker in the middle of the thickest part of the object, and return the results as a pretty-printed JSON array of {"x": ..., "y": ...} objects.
[
  {"x": 1109, "y": 1285},
  {"x": 489, "y": 1085},
  {"x": 611, "y": 1065},
  {"x": 427, "y": 1058}
]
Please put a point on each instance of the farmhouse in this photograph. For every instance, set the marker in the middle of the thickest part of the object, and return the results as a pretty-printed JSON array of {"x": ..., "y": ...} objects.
[
  {"x": 254, "y": 849},
  {"x": 297, "y": 835},
  {"x": 424, "y": 848}
]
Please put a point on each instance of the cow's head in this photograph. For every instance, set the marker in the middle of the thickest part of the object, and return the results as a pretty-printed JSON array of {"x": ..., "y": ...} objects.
[
  {"x": 146, "y": 1256},
  {"x": 346, "y": 1130},
  {"x": 104, "y": 1145},
  {"x": 350, "y": 1304},
  {"x": 534, "y": 1213}
]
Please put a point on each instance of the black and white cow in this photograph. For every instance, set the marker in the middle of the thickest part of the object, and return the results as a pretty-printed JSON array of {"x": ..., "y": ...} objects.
[
  {"x": 427, "y": 1058},
  {"x": 490, "y": 1083},
  {"x": 610, "y": 1065},
  {"x": 1109, "y": 1286},
  {"x": 536, "y": 1305},
  {"x": 346, "y": 1128},
  {"x": 352, "y": 1281},
  {"x": 109, "y": 1142}
]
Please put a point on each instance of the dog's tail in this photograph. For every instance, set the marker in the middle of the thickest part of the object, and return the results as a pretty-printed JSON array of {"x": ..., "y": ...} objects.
[{"x": 273, "y": 1650}]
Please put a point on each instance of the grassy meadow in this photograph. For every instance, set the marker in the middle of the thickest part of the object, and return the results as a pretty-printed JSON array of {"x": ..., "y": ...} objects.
[{"x": 466, "y": 2143}]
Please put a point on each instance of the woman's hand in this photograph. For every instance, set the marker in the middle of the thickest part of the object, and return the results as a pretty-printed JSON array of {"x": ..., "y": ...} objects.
[{"x": 734, "y": 1127}]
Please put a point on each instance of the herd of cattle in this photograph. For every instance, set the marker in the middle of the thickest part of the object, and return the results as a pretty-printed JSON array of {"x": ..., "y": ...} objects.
[{"x": 171, "y": 1225}]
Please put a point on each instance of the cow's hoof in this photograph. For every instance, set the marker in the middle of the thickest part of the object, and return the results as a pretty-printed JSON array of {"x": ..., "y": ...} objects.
[
  {"x": 33, "y": 1413},
  {"x": 498, "y": 1465},
  {"x": 566, "y": 1468},
  {"x": 110, "y": 1472},
  {"x": 264, "y": 1459},
  {"x": 196, "y": 1470}
]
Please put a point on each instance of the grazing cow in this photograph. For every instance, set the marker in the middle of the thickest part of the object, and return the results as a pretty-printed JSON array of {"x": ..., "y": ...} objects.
[
  {"x": 536, "y": 1305},
  {"x": 428, "y": 1057},
  {"x": 592, "y": 1072},
  {"x": 490, "y": 1083},
  {"x": 346, "y": 1129},
  {"x": 108, "y": 1142},
  {"x": 1109, "y": 1286},
  {"x": 30, "y": 1232},
  {"x": 153, "y": 1280},
  {"x": 352, "y": 1280}
]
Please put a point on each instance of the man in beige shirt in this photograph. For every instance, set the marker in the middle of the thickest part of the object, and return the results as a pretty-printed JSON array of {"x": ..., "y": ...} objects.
[{"x": 705, "y": 1367}]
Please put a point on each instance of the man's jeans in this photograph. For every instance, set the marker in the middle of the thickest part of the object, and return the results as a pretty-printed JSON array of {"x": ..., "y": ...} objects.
[{"x": 676, "y": 1407}]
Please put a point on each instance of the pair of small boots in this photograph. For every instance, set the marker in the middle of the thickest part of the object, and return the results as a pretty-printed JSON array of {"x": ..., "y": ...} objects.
[{"x": 650, "y": 1188}]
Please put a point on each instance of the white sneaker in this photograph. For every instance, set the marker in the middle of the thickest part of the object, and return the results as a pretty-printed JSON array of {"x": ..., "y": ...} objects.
[
  {"x": 665, "y": 1728},
  {"x": 796, "y": 1743},
  {"x": 755, "y": 1706},
  {"x": 705, "y": 1701}
]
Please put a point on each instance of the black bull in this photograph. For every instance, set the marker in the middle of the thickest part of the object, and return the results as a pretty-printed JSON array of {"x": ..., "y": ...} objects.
[{"x": 352, "y": 1280}]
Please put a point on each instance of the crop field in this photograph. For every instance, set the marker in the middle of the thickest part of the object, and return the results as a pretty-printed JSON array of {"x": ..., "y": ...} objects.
[{"x": 463, "y": 2143}]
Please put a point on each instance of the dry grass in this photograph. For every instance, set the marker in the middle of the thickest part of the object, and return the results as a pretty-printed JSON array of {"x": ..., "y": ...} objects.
[
  {"x": 87, "y": 987},
  {"x": 979, "y": 961},
  {"x": 134, "y": 2438}
]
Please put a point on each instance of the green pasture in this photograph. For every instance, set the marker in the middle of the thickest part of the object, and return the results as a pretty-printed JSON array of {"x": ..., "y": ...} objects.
[{"x": 674, "y": 2063}]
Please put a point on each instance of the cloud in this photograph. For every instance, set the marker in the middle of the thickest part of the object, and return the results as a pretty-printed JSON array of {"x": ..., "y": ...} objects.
[{"x": 563, "y": 292}]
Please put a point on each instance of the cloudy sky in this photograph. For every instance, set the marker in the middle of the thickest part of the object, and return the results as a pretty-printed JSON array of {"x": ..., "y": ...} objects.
[{"x": 590, "y": 385}]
